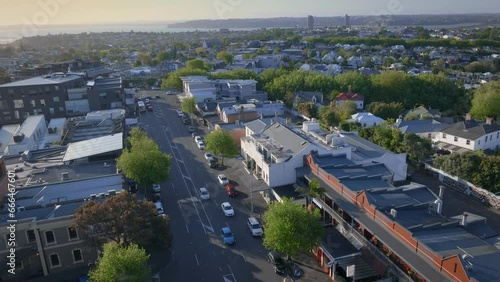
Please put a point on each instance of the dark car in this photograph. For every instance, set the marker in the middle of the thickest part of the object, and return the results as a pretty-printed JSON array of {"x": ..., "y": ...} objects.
[
  {"x": 278, "y": 262},
  {"x": 212, "y": 163},
  {"x": 150, "y": 108},
  {"x": 297, "y": 271},
  {"x": 230, "y": 190}
]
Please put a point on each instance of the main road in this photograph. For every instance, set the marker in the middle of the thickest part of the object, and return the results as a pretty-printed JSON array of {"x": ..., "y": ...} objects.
[{"x": 198, "y": 253}]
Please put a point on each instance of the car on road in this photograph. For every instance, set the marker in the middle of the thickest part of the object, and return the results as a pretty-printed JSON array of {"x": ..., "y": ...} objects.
[
  {"x": 231, "y": 191},
  {"x": 276, "y": 259},
  {"x": 198, "y": 139},
  {"x": 254, "y": 226},
  {"x": 209, "y": 157},
  {"x": 204, "y": 193},
  {"x": 169, "y": 93},
  {"x": 191, "y": 129},
  {"x": 222, "y": 179},
  {"x": 212, "y": 163},
  {"x": 156, "y": 198},
  {"x": 159, "y": 207},
  {"x": 156, "y": 188},
  {"x": 227, "y": 236},
  {"x": 227, "y": 209},
  {"x": 179, "y": 113},
  {"x": 201, "y": 145}
]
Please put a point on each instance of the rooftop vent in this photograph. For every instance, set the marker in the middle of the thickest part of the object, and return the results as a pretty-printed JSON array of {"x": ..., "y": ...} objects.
[
  {"x": 394, "y": 213},
  {"x": 18, "y": 138},
  {"x": 64, "y": 176}
]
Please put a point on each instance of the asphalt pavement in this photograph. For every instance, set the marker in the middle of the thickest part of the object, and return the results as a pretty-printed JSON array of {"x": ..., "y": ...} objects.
[{"x": 197, "y": 253}]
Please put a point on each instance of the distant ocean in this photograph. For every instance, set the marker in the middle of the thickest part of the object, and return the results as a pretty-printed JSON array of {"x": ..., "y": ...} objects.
[{"x": 11, "y": 33}]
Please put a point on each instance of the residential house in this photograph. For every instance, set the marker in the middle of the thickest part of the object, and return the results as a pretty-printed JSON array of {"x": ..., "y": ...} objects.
[
  {"x": 425, "y": 128},
  {"x": 422, "y": 112},
  {"x": 210, "y": 43},
  {"x": 28, "y": 136},
  {"x": 238, "y": 113},
  {"x": 469, "y": 135},
  {"x": 365, "y": 119},
  {"x": 349, "y": 96},
  {"x": 315, "y": 97}
]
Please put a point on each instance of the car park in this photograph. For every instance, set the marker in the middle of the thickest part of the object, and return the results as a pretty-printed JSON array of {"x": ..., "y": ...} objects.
[
  {"x": 204, "y": 193},
  {"x": 254, "y": 226},
  {"x": 209, "y": 157},
  {"x": 159, "y": 207},
  {"x": 276, "y": 259},
  {"x": 227, "y": 236},
  {"x": 156, "y": 188},
  {"x": 227, "y": 209},
  {"x": 231, "y": 191},
  {"x": 201, "y": 145},
  {"x": 222, "y": 179}
]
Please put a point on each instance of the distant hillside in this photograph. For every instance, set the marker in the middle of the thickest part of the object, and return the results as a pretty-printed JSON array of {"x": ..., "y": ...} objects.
[{"x": 465, "y": 20}]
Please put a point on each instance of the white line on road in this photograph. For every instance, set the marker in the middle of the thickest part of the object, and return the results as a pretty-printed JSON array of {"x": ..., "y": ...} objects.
[
  {"x": 187, "y": 177},
  {"x": 232, "y": 272},
  {"x": 243, "y": 255},
  {"x": 196, "y": 257},
  {"x": 187, "y": 229},
  {"x": 215, "y": 202},
  {"x": 220, "y": 269}
]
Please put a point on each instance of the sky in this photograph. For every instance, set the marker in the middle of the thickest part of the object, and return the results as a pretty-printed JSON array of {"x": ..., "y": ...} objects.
[{"x": 65, "y": 12}]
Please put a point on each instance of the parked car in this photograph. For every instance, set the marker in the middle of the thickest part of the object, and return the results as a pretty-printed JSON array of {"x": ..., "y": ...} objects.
[
  {"x": 191, "y": 129},
  {"x": 201, "y": 145},
  {"x": 198, "y": 139},
  {"x": 296, "y": 270},
  {"x": 227, "y": 236},
  {"x": 227, "y": 209},
  {"x": 156, "y": 188},
  {"x": 254, "y": 226},
  {"x": 276, "y": 259},
  {"x": 231, "y": 191},
  {"x": 209, "y": 157},
  {"x": 204, "y": 193},
  {"x": 212, "y": 163},
  {"x": 156, "y": 198},
  {"x": 159, "y": 207},
  {"x": 180, "y": 113},
  {"x": 150, "y": 108},
  {"x": 222, "y": 179}
]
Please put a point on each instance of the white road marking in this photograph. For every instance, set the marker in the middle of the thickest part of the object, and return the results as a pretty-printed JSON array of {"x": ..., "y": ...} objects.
[
  {"x": 187, "y": 229},
  {"x": 220, "y": 269},
  {"x": 196, "y": 257},
  {"x": 243, "y": 255},
  {"x": 215, "y": 203}
]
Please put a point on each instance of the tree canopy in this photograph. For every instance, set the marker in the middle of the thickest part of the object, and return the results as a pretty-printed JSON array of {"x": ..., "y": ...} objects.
[
  {"x": 486, "y": 101},
  {"x": 291, "y": 229},
  {"x": 123, "y": 219},
  {"x": 143, "y": 161},
  {"x": 173, "y": 80},
  {"x": 121, "y": 263},
  {"x": 197, "y": 64},
  {"x": 188, "y": 105},
  {"x": 226, "y": 56},
  {"x": 221, "y": 143}
]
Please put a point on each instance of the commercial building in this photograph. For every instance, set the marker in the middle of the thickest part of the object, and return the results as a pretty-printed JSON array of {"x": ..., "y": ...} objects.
[{"x": 310, "y": 22}]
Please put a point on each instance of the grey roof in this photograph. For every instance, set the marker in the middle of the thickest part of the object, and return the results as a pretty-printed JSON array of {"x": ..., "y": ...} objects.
[
  {"x": 325, "y": 161},
  {"x": 42, "y": 80},
  {"x": 420, "y": 126},
  {"x": 256, "y": 126},
  {"x": 471, "y": 129},
  {"x": 421, "y": 110},
  {"x": 285, "y": 137},
  {"x": 367, "y": 171},
  {"x": 392, "y": 197},
  {"x": 29, "y": 125},
  {"x": 363, "y": 146},
  {"x": 95, "y": 146}
]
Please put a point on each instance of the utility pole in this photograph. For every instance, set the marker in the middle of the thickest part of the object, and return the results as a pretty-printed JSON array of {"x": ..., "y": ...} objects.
[{"x": 251, "y": 188}]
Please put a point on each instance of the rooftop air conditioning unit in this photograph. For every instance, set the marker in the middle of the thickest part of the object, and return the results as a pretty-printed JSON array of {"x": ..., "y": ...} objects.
[{"x": 394, "y": 213}]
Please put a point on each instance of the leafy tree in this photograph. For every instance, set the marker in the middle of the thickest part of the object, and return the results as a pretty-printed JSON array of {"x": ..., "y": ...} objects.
[
  {"x": 164, "y": 56},
  {"x": 196, "y": 64},
  {"x": 263, "y": 50},
  {"x": 144, "y": 59},
  {"x": 308, "y": 109},
  {"x": 121, "y": 263},
  {"x": 327, "y": 116},
  {"x": 188, "y": 105},
  {"x": 489, "y": 176},
  {"x": 4, "y": 76},
  {"x": 315, "y": 190},
  {"x": 291, "y": 229},
  {"x": 486, "y": 101},
  {"x": 124, "y": 220},
  {"x": 221, "y": 143},
  {"x": 417, "y": 149},
  {"x": 173, "y": 81},
  {"x": 143, "y": 161},
  {"x": 346, "y": 110},
  {"x": 386, "y": 111},
  {"x": 465, "y": 165},
  {"x": 226, "y": 56}
]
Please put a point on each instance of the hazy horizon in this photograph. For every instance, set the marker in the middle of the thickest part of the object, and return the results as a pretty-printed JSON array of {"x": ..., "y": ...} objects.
[{"x": 69, "y": 12}]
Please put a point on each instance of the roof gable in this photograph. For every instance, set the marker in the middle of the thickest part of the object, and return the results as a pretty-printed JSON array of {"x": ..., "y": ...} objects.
[{"x": 350, "y": 96}]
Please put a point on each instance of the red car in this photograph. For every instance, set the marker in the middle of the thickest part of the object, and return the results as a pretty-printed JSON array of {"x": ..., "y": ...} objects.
[{"x": 230, "y": 190}]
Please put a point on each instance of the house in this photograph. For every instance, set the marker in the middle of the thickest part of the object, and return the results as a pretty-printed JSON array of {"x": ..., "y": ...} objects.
[
  {"x": 365, "y": 119},
  {"x": 210, "y": 43},
  {"x": 349, "y": 96},
  {"x": 237, "y": 113},
  {"x": 315, "y": 97},
  {"x": 425, "y": 128},
  {"x": 28, "y": 136},
  {"x": 469, "y": 135},
  {"x": 422, "y": 112}
]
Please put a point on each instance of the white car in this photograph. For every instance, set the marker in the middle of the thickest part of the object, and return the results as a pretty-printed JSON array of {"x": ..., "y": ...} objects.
[
  {"x": 227, "y": 209},
  {"x": 209, "y": 157},
  {"x": 254, "y": 226},
  {"x": 223, "y": 179},
  {"x": 180, "y": 113},
  {"x": 201, "y": 145},
  {"x": 198, "y": 139},
  {"x": 204, "y": 194},
  {"x": 156, "y": 188},
  {"x": 159, "y": 207}
]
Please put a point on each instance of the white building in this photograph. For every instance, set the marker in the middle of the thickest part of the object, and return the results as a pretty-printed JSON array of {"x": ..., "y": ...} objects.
[
  {"x": 28, "y": 136},
  {"x": 365, "y": 119}
]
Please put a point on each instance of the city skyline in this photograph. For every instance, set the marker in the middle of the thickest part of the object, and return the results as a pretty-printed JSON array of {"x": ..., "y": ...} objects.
[{"x": 67, "y": 12}]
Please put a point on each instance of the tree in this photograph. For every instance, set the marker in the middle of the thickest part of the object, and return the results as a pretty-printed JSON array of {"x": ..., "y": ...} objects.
[
  {"x": 144, "y": 59},
  {"x": 386, "y": 111},
  {"x": 465, "y": 165},
  {"x": 489, "y": 176},
  {"x": 164, "y": 56},
  {"x": 327, "y": 116},
  {"x": 196, "y": 64},
  {"x": 4, "y": 76},
  {"x": 354, "y": 82},
  {"x": 124, "y": 220},
  {"x": 221, "y": 143},
  {"x": 173, "y": 81},
  {"x": 121, "y": 263},
  {"x": 486, "y": 101},
  {"x": 315, "y": 190},
  {"x": 188, "y": 105},
  {"x": 226, "y": 56},
  {"x": 417, "y": 149},
  {"x": 143, "y": 161},
  {"x": 346, "y": 110},
  {"x": 291, "y": 229},
  {"x": 308, "y": 109}
]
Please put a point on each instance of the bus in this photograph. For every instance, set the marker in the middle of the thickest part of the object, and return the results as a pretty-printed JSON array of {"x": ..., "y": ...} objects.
[{"x": 141, "y": 105}]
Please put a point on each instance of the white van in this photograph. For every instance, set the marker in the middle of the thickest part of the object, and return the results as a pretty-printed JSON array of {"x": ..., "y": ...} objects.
[{"x": 254, "y": 226}]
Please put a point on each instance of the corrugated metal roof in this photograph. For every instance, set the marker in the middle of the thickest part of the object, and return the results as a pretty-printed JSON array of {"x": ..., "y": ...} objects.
[{"x": 94, "y": 146}]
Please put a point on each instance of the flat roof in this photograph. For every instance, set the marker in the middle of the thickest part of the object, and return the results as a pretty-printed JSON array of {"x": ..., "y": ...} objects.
[
  {"x": 42, "y": 80},
  {"x": 95, "y": 146},
  {"x": 29, "y": 125}
]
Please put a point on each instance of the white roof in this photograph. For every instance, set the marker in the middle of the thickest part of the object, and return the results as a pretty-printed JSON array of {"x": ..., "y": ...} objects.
[
  {"x": 30, "y": 124},
  {"x": 94, "y": 147}
]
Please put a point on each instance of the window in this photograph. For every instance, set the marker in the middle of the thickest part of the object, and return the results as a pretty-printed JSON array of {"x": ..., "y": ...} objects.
[
  {"x": 485, "y": 139},
  {"x": 56, "y": 88},
  {"x": 429, "y": 135},
  {"x": 103, "y": 95},
  {"x": 54, "y": 260},
  {"x": 56, "y": 99},
  {"x": 51, "y": 111},
  {"x": 455, "y": 139},
  {"x": 18, "y": 104},
  {"x": 498, "y": 134},
  {"x": 479, "y": 142},
  {"x": 467, "y": 142},
  {"x": 33, "y": 103},
  {"x": 491, "y": 136},
  {"x": 16, "y": 114},
  {"x": 72, "y": 233},
  {"x": 32, "y": 92},
  {"x": 30, "y": 235},
  {"x": 77, "y": 256},
  {"x": 444, "y": 136},
  {"x": 4, "y": 105},
  {"x": 49, "y": 237},
  {"x": 61, "y": 109},
  {"x": 42, "y": 102}
]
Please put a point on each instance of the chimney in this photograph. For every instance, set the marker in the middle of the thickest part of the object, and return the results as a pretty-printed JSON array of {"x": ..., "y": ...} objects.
[
  {"x": 464, "y": 219},
  {"x": 286, "y": 121},
  {"x": 489, "y": 121},
  {"x": 468, "y": 116},
  {"x": 441, "y": 191},
  {"x": 261, "y": 115}
]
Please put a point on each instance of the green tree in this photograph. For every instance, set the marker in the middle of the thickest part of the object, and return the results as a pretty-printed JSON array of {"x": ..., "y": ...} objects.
[
  {"x": 486, "y": 101},
  {"x": 226, "y": 56},
  {"x": 315, "y": 190},
  {"x": 196, "y": 64},
  {"x": 143, "y": 161},
  {"x": 221, "y": 143},
  {"x": 489, "y": 174},
  {"x": 144, "y": 59},
  {"x": 308, "y": 109},
  {"x": 386, "y": 111},
  {"x": 164, "y": 56},
  {"x": 121, "y": 263},
  {"x": 188, "y": 105},
  {"x": 4, "y": 76},
  {"x": 417, "y": 149},
  {"x": 465, "y": 165},
  {"x": 346, "y": 110},
  {"x": 124, "y": 220},
  {"x": 327, "y": 116},
  {"x": 291, "y": 229},
  {"x": 173, "y": 80},
  {"x": 354, "y": 82}
]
